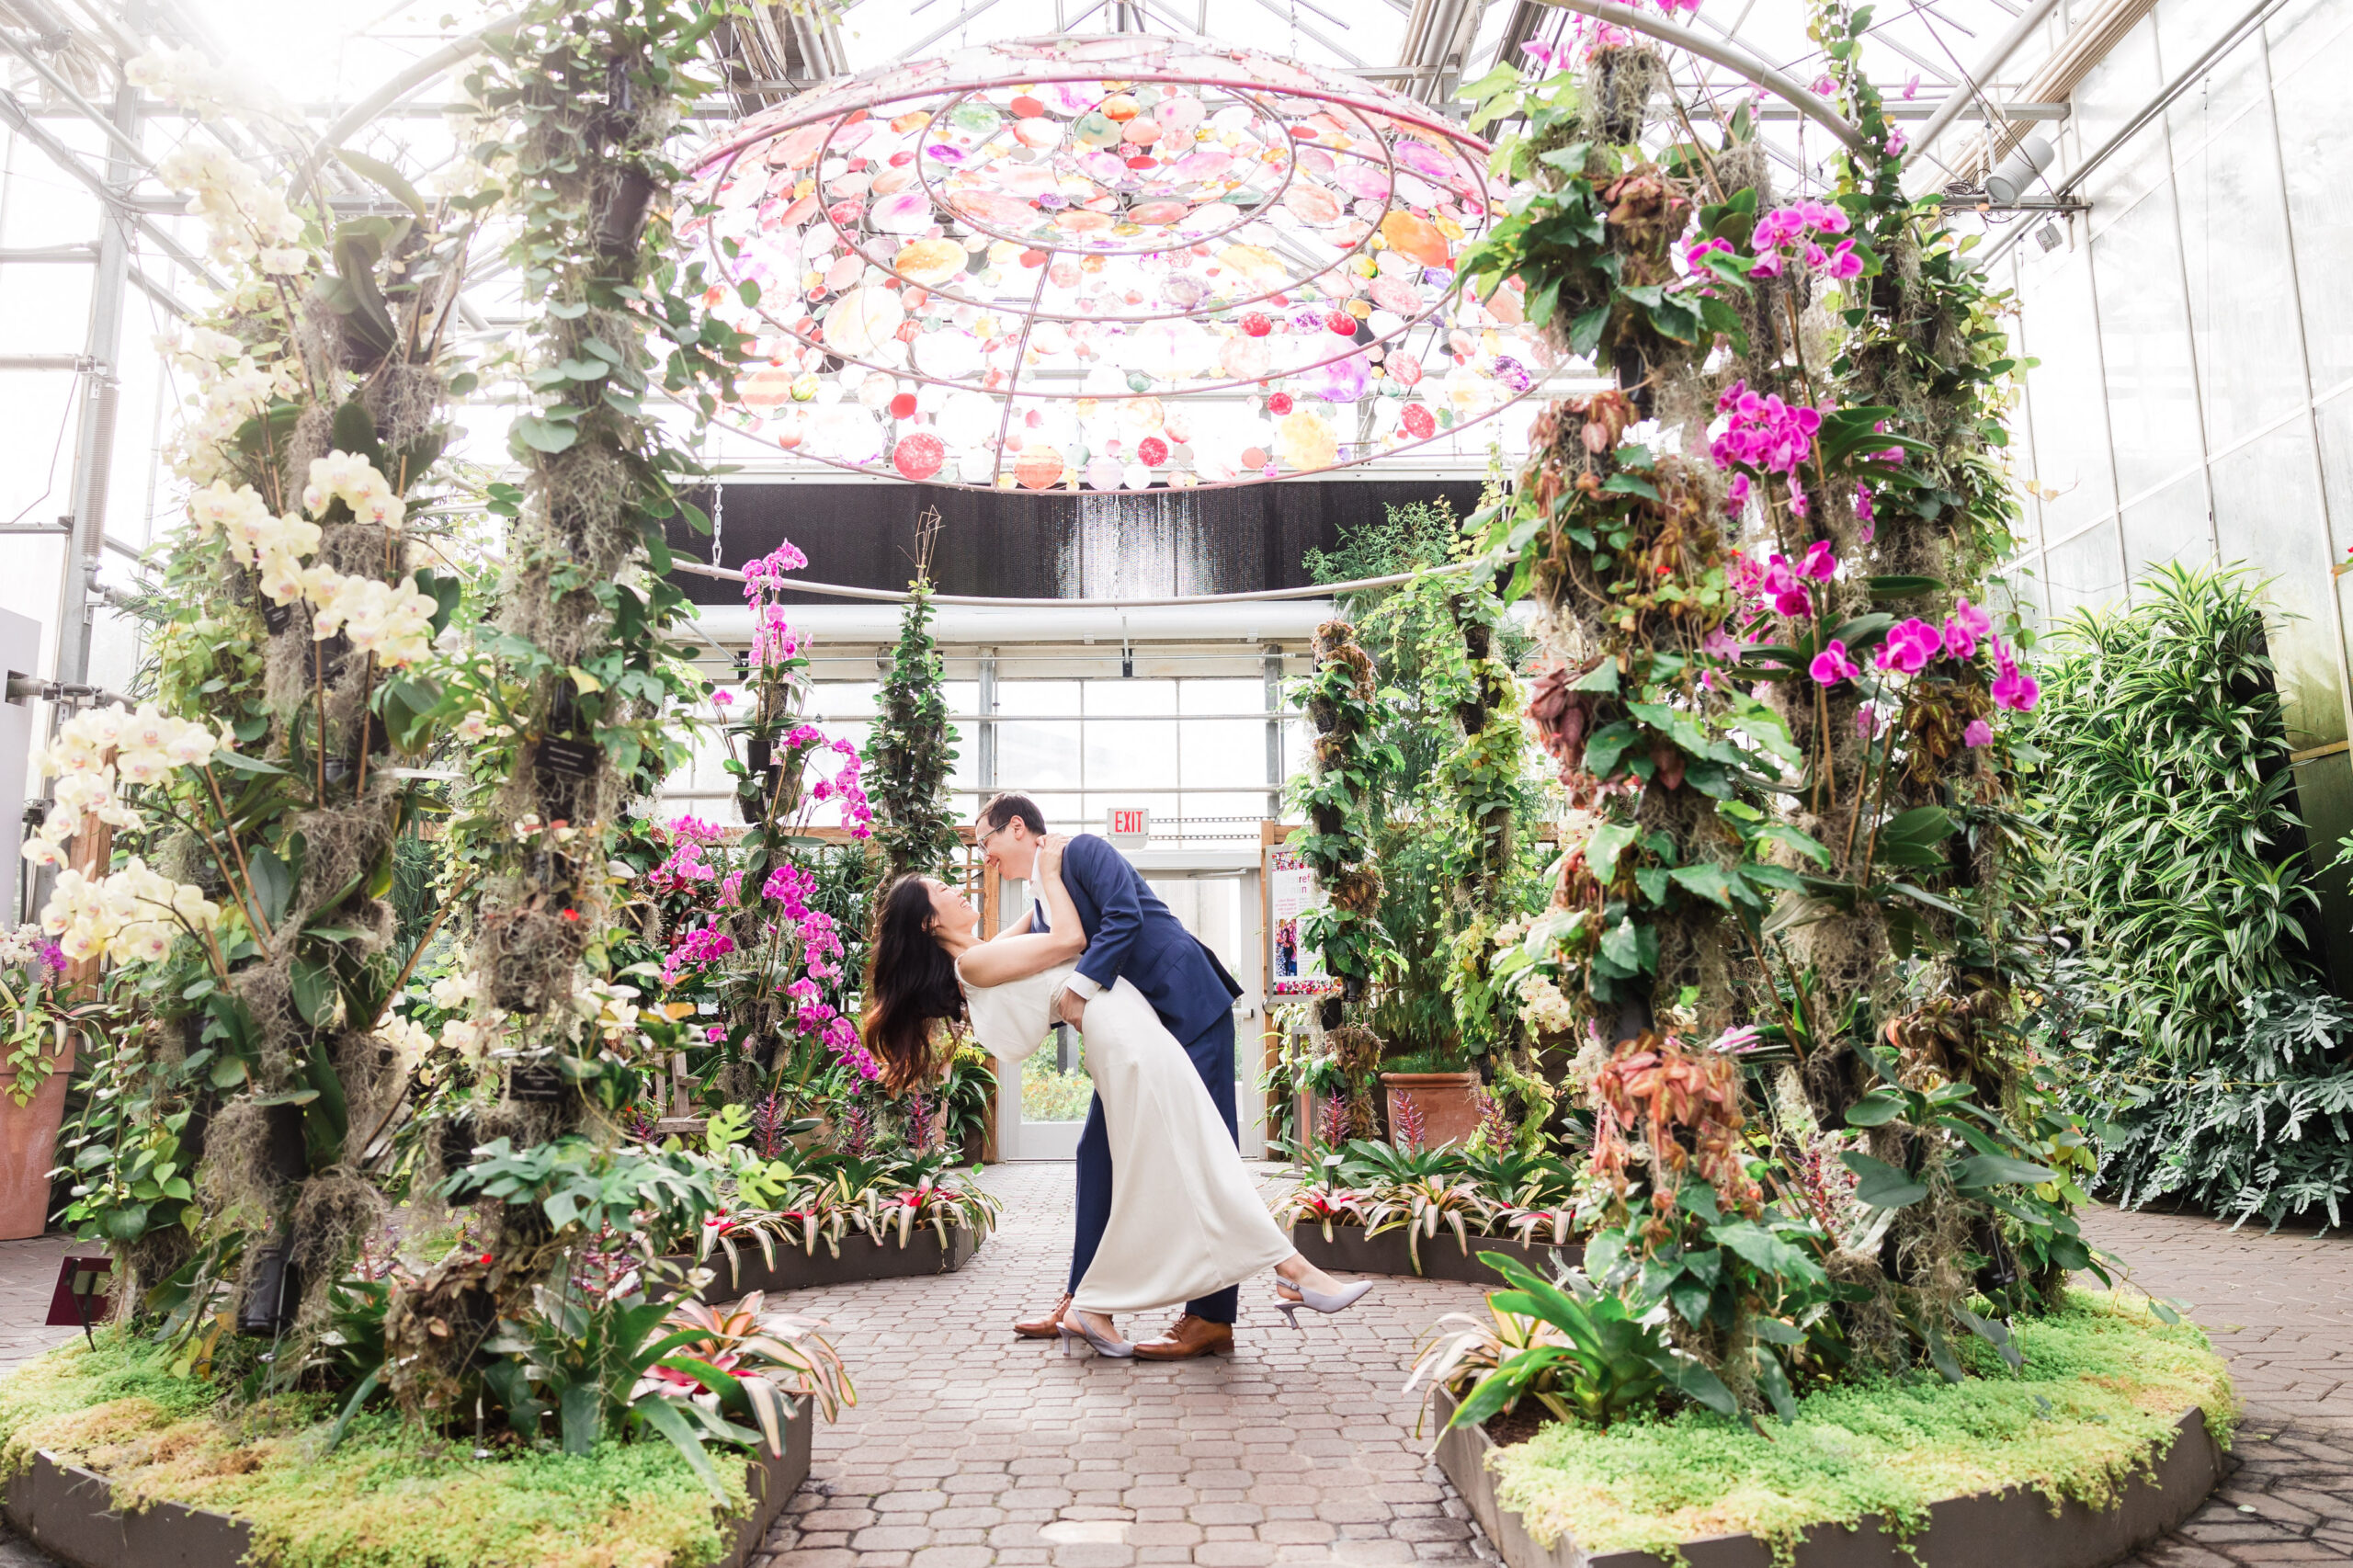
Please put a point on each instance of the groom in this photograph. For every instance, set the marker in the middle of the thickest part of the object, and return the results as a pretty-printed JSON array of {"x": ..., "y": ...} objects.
[{"x": 1131, "y": 935}]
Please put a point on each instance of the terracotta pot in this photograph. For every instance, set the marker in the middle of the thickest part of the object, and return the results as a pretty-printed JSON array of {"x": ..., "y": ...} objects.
[
  {"x": 1449, "y": 1103},
  {"x": 29, "y": 1152}
]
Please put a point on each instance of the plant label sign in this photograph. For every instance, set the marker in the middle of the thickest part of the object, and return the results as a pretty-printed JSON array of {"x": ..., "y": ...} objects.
[
  {"x": 1294, "y": 967},
  {"x": 1130, "y": 826}
]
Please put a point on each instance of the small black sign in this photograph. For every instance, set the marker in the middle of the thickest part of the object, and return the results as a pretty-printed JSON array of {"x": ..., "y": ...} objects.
[
  {"x": 276, "y": 616},
  {"x": 568, "y": 759}
]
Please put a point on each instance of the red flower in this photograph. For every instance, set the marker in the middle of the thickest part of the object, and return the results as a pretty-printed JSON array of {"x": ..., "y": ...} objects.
[
  {"x": 1279, "y": 404},
  {"x": 571, "y": 915},
  {"x": 1257, "y": 325}
]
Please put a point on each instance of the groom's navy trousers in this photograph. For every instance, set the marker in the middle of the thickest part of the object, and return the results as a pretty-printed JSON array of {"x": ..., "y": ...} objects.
[{"x": 1132, "y": 936}]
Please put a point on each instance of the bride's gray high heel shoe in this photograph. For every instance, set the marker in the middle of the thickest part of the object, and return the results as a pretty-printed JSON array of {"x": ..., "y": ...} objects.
[
  {"x": 1115, "y": 1350},
  {"x": 1337, "y": 1301}
]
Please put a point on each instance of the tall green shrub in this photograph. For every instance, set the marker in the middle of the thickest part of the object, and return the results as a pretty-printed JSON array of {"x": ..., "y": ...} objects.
[
  {"x": 910, "y": 752},
  {"x": 1419, "y": 634},
  {"x": 2172, "y": 857}
]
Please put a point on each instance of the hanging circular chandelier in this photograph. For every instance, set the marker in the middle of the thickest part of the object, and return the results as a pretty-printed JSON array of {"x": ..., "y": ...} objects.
[{"x": 1107, "y": 262}]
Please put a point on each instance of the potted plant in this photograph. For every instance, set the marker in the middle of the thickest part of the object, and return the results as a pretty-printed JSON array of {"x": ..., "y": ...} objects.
[
  {"x": 37, "y": 1026},
  {"x": 1440, "y": 1088}
]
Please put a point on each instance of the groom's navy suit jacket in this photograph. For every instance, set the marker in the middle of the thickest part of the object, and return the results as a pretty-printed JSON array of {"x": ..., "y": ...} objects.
[{"x": 1131, "y": 934}]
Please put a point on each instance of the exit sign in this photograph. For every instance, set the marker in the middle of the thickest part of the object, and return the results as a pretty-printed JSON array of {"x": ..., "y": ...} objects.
[{"x": 1130, "y": 824}]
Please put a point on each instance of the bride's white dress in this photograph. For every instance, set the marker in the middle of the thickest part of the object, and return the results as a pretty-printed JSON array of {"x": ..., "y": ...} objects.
[{"x": 1185, "y": 1218}]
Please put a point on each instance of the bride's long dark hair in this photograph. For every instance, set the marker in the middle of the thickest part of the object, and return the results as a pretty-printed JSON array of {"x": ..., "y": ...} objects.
[{"x": 911, "y": 984}]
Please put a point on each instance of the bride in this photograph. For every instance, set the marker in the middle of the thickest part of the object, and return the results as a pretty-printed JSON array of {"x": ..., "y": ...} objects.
[{"x": 1185, "y": 1218}]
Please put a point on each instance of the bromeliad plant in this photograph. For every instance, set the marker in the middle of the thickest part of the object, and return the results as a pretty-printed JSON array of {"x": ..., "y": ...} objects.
[
  {"x": 828, "y": 1194},
  {"x": 1471, "y": 1190}
]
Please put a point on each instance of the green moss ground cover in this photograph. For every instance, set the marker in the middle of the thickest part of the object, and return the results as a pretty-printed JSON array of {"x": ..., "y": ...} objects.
[
  {"x": 388, "y": 1497},
  {"x": 2103, "y": 1386}
]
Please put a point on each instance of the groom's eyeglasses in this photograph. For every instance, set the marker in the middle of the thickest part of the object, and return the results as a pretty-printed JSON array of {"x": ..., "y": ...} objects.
[{"x": 981, "y": 843}]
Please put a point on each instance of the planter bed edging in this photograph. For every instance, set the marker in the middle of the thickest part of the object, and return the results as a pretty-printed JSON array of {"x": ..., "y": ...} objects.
[
  {"x": 1350, "y": 1251},
  {"x": 68, "y": 1512},
  {"x": 861, "y": 1258},
  {"x": 1986, "y": 1530}
]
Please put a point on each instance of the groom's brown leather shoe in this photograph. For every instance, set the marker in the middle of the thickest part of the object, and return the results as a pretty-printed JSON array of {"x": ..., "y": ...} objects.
[
  {"x": 1187, "y": 1338},
  {"x": 1045, "y": 1327}
]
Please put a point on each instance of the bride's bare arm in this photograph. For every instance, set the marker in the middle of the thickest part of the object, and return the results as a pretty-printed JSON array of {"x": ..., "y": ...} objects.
[{"x": 1009, "y": 956}]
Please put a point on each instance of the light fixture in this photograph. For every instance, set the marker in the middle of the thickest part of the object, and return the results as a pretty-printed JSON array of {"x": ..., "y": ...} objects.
[{"x": 2018, "y": 172}]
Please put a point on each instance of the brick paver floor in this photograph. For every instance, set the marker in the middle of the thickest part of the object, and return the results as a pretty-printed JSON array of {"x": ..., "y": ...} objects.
[
  {"x": 970, "y": 1448},
  {"x": 2281, "y": 1307}
]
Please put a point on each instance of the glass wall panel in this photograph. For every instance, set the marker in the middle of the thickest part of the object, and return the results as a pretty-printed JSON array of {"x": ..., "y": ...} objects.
[
  {"x": 2023, "y": 468},
  {"x": 2316, "y": 120},
  {"x": 2085, "y": 570},
  {"x": 2145, "y": 341},
  {"x": 2300, "y": 30},
  {"x": 1222, "y": 696},
  {"x": 2065, "y": 398},
  {"x": 2336, "y": 421},
  {"x": 2232, "y": 86},
  {"x": 47, "y": 310},
  {"x": 1130, "y": 754},
  {"x": 2171, "y": 525},
  {"x": 2112, "y": 94},
  {"x": 964, "y": 773},
  {"x": 2242, "y": 287},
  {"x": 2267, "y": 512}
]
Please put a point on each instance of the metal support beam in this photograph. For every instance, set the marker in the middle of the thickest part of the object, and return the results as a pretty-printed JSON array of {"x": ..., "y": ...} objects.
[
  {"x": 434, "y": 66},
  {"x": 1973, "y": 87},
  {"x": 1729, "y": 55},
  {"x": 115, "y": 137},
  {"x": 100, "y": 387},
  {"x": 1274, "y": 671},
  {"x": 114, "y": 194}
]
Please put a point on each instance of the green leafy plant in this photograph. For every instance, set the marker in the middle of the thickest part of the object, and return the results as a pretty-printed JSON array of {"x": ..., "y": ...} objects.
[
  {"x": 1586, "y": 1354},
  {"x": 911, "y": 748},
  {"x": 2261, "y": 1130},
  {"x": 2172, "y": 849}
]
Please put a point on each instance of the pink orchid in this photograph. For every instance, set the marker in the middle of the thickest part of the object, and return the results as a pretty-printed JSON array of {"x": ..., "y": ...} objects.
[
  {"x": 2014, "y": 688},
  {"x": 1786, "y": 589},
  {"x": 1965, "y": 628},
  {"x": 1832, "y": 665},
  {"x": 1977, "y": 734},
  {"x": 1909, "y": 647},
  {"x": 1819, "y": 564}
]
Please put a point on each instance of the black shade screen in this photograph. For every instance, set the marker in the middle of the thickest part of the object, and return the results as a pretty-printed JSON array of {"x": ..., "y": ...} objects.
[{"x": 1130, "y": 544}]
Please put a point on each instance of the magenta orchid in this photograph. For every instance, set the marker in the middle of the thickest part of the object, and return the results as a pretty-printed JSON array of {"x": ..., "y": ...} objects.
[
  {"x": 1788, "y": 233},
  {"x": 2013, "y": 687},
  {"x": 1977, "y": 734},
  {"x": 1910, "y": 646},
  {"x": 773, "y": 640},
  {"x": 1965, "y": 628},
  {"x": 1821, "y": 562},
  {"x": 1832, "y": 664},
  {"x": 1763, "y": 433}
]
